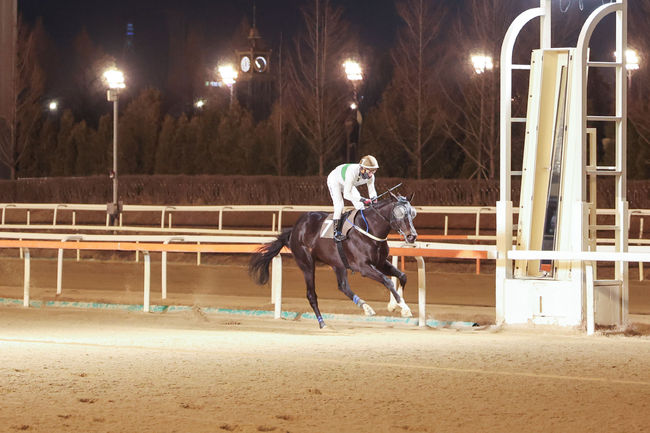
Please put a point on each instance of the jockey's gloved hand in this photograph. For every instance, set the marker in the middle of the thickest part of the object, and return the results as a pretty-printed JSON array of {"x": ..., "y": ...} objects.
[
  {"x": 373, "y": 200},
  {"x": 366, "y": 201}
]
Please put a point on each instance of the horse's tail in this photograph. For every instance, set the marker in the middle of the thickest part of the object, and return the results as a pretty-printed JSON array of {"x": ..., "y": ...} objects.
[{"x": 258, "y": 267}]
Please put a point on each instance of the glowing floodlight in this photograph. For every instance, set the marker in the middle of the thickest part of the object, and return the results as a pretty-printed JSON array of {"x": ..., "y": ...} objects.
[
  {"x": 481, "y": 63},
  {"x": 353, "y": 70},
  {"x": 114, "y": 78},
  {"x": 228, "y": 74}
]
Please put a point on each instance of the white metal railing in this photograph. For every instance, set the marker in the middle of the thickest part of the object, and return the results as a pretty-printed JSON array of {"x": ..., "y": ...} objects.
[
  {"x": 277, "y": 212},
  {"x": 163, "y": 244}
]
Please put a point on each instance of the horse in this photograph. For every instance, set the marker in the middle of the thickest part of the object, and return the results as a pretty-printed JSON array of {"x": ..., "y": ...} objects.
[{"x": 365, "y": 248}]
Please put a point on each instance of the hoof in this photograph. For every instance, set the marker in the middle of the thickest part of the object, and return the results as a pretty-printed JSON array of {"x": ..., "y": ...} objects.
[
  {"x": 368, "y": 311},
  {"x": 406, "y": 313}
]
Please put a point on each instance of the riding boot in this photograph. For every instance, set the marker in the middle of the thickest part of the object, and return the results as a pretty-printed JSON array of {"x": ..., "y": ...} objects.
[{"x": 338, "y": 236}]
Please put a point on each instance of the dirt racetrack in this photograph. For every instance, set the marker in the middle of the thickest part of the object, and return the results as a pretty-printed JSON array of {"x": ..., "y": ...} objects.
[{"x": 66, "y": 369}]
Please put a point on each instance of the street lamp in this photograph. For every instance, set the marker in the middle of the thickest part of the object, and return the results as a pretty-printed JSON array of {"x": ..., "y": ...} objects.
[
  {"x": 632, "y": 62},
  {"x": 53, "y": 106},
  {"x": 481, "y": 63},
  {"x": 228, "y": 77},
  {"x": 354, "y": 74},
  {"x": 353, "y": 70},
  {"x": 115, "y": 80},
  {"x": 200, "y": 103}
]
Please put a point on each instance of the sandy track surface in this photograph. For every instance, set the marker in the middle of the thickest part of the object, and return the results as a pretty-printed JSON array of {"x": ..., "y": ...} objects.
[
  {"x": 70, "y": 370},
  {"x": 96, "y": 371}
]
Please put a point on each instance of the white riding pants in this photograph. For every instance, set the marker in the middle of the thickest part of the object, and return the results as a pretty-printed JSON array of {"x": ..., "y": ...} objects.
[{"x": 336, "y": 192}]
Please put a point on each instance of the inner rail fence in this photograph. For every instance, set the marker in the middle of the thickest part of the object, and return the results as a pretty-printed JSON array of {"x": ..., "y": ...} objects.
[{"x": 214, "y": 244}]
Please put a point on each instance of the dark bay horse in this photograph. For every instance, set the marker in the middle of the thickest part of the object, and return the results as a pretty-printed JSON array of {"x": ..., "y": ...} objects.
[{"x": 365, "y": 248}]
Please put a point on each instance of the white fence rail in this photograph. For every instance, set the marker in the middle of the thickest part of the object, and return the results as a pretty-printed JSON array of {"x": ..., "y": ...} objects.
[
  {"x": 212, "y": 244},
  {"x": 65, "y": 218}
]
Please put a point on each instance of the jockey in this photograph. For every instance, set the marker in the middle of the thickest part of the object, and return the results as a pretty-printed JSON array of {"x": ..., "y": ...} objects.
[{"x": 342, "y": 183}]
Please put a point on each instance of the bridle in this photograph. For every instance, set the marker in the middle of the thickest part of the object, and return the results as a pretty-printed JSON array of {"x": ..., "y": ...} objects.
[{"x": 399, "y": 212}]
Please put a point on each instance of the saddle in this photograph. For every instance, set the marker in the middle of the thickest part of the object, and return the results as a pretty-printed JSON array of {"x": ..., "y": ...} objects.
[{"x": 327, "y": 228}]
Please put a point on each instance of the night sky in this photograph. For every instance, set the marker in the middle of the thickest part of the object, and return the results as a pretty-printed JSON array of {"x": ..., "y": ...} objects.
[{"x": 375, "y": 21}]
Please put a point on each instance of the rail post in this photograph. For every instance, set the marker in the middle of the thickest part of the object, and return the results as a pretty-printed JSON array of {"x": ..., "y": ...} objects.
[
  {"x": 147, "y": 281},
  {"x": 276, "y": 285},
  {"x": 26, "y": 279},
  {"x": 59, "y": 262},
  {"x": 589, "y": 276},
  {"x": 163, "y": 264},
  {"x": 422, "y": 292}
]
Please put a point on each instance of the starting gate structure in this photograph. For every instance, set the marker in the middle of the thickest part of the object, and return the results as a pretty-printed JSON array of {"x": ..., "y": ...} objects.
[{"x": 558, "y": 182}]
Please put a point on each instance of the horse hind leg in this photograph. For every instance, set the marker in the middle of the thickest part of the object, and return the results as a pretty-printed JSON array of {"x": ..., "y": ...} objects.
[
  {"x": 306, "y": 265},
  {"x": 344, "y": 286}
]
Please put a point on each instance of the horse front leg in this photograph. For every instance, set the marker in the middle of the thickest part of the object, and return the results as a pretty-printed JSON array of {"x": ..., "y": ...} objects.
[
  {"x": 372, "y": 272},
  {"x": 344, "y": 286},
  {"x": 389, "y": 269}
]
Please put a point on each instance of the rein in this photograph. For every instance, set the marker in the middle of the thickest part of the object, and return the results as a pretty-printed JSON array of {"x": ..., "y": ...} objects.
[
  {"x": 366, "y": 231},
  {"x": 370, "y": 235}
]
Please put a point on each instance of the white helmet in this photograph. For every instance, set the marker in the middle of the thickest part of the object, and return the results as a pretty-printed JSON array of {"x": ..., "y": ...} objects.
[{"x": 369, "y": 162}]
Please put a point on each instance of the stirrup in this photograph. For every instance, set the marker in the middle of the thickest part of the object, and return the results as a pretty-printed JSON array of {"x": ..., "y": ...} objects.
[{"x": 338, "y": 237}]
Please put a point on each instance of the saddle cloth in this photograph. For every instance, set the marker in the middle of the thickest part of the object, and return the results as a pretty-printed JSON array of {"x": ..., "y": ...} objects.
[{"x": 327, "y": 228}]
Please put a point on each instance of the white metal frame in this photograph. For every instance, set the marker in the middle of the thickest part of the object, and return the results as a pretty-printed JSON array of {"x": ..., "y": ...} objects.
[{"x": 575, "y": 234}]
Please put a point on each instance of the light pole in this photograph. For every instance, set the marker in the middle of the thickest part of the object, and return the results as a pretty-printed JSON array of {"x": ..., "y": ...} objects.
[
  {"x": 631, "y": 64},
  {"x": 229, "y": 78},
  {"x": 481, "y": 64},
  {"x": 354, "y": 74},
  {"x": 115, "y": 80}
]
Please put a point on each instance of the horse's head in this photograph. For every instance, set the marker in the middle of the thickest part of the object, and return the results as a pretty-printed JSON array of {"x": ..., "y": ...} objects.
[{"x": 401, "y": 217}]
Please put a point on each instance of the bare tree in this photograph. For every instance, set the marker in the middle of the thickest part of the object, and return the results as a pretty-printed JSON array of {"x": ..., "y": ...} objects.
[
  {"x": 29, "y": 87},
  {"x": 316, "y": 90},
  {"x": 410, "y": 110},
  {"x": 278, "y": 119},
  {"x": 639, "y": 82},
  {"x": 86, "y": 88},
  {"x": 473, "y": 96}
]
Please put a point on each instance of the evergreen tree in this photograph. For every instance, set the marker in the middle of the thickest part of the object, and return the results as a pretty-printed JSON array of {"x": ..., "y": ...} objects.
[
  {"x": 237, "y": 143},
  {"x": 66, "y": 153},
  {"x": 103, "y": 146},
  {"x": 83, "y": 139},
  {"x": 138, "y": 133},
  {"x": 166, "y": 145}
]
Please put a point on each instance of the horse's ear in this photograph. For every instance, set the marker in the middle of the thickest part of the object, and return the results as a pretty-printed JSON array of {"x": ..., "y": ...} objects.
[
  {"x": 394, "y": 196},
  {"x": 410, "y": 199}
]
